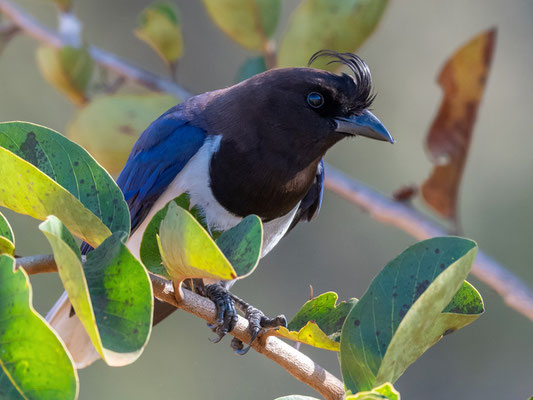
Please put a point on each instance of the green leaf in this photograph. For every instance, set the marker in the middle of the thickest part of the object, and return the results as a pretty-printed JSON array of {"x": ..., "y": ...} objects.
[
  {"x": 248, "y": 22},
  {"x": 319, "y": 322},
  {"x": 296, "y": 397},
  {"x": 242, "y": 245},
  {"x": 59, "y": 178},
  {"x": 415, "y": 300},
  {"x": 68, "y": 69},
  {"x": 160, "y": 28},
  {"x": 7, "y": 239},
  {"x": 341, "y": 25},
  {"x": 252, "y": 66},
  {"x": 5, "y": 229},
  {"x": 111, "y": 293},
  {"x": 383, "y": 392},
  {"x": 109, "y": 125},
  {"x": 187, "y": 249},
  {"x": 34, "y": 363}
]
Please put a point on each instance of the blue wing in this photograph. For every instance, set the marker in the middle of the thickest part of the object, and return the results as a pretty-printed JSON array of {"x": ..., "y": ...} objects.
[
  {"x": 311, "y": 203},
  {"x": 158, "y": 156}
]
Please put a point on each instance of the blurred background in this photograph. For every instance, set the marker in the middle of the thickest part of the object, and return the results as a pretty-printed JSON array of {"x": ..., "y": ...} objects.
[{"x": 344, "y": 248}]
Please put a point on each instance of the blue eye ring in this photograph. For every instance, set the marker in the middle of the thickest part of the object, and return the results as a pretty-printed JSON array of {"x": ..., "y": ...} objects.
[{"x": 315, "y": 99}]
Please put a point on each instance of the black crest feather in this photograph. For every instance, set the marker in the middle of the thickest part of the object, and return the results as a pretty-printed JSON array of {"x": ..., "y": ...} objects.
[{"x": 363, "y": 96}]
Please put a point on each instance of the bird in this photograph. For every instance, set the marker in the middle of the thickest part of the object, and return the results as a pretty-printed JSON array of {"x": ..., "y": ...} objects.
[{"x": 256, "y": 147}]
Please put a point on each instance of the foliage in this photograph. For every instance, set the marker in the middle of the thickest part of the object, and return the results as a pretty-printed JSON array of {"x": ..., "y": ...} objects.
[
  {"x": 418, "y": 298},
  {"x": 34, "y": 363}
]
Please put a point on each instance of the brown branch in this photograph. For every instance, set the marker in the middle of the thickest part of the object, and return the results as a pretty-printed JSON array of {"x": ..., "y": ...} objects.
[
  {"x": 514, "y": 292},
  {"x": 297, "y": 364},
  {"x": 108, "y": 60}
]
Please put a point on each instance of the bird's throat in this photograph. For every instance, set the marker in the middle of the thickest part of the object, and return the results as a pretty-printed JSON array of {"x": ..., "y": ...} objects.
[{"x": 267, "y": 185}]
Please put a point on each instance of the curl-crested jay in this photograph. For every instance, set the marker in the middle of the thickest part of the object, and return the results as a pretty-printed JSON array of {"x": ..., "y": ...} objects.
[{"x": 253, "y": 148}]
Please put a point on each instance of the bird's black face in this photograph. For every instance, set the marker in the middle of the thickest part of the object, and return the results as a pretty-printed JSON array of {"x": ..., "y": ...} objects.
[{"x": 316, "y": 108}]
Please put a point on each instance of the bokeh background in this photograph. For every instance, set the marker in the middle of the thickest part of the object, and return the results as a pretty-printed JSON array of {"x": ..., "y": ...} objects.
[{"x": 344, "y": 249}]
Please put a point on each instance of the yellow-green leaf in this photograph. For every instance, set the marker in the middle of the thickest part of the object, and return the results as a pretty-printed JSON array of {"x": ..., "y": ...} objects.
[
  {"x": 68, "y": 69},
  {"x": 111, "y": 293},
  {"x": 383, "y": 392},
  {"x": 33, "y": 193},
  {"x": 248, "y": 22},
  {"x": 34, "y": 362},
  {"x": 44, "y": 173},
  {"x": 108, "y": 126},
  {"x": 160, "y": 28},
  {"x": 188, "y": 251},
  {"x": 319, "y": 322},
  {"x": 341, "y": 25},
  {"x": 416, "y": 299}
]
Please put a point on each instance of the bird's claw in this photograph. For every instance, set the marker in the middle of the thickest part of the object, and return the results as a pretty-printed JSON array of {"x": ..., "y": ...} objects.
[
  {"x": 257, "y": 322},
  {"x": 226, "y": 316}
]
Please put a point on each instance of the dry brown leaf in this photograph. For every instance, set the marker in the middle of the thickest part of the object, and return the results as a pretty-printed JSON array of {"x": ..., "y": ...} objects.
[{"x": 463, "y": 81}]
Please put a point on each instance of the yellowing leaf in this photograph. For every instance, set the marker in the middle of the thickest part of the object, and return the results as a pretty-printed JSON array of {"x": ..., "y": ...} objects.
[
  {"x": 160, "y": 28},
  {"x": 341, "y": 25},
  {"x": 310, "y": 334},
  {"x": 319, "y": 322},
  {"x": 248, "y": 22},
  {"x": 188, "y": 251},
  {"x": 68, "y": 69},
  {"x": 108, "y": 126},
  {"x": 463, "y": 81}
]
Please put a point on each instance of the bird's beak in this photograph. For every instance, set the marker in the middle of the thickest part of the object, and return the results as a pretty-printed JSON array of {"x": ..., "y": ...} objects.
[{"x": 365, "y": 124}]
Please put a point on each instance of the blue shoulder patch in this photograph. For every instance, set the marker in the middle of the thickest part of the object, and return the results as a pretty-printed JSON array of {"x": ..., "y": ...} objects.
[
  {"x": 156, "y": 159},
  {"x": 311, "y": 203}
]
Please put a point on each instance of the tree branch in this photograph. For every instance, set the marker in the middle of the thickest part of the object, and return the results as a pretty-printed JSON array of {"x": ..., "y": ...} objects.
[
  {"x": 296, "y": 363},
  {"x": 515, "y": 293},
  {"x": 108, "y": 60}
]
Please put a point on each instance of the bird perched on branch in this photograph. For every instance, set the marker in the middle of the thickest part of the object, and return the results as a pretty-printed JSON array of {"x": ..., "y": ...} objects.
[{"x": 253, "y": 148}]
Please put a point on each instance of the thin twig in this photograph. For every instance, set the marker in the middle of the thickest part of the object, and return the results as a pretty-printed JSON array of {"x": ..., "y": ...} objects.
[
  {"x": 297, "y": 364},
  {"x": 514, "y": 292},
  {"x": 108, "y": 60}
]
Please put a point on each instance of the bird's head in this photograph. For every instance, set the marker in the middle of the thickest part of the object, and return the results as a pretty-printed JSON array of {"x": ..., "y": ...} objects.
[{"x": 300, "y": 110}]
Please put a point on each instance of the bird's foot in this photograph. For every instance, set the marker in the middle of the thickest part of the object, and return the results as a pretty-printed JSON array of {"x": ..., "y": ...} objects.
[
  {"x": 258, "y": 321},
  {"x": 226, "y": 316}
]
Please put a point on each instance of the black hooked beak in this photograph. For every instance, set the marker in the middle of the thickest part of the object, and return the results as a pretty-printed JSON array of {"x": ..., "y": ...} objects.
[{"x": 365, "y": 124}]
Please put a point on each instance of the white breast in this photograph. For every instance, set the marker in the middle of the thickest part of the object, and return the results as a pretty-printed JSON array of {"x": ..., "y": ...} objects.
[{"x": 194, "y": 179}]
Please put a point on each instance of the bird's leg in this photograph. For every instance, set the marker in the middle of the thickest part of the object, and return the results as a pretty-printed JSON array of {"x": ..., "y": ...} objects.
[
  {"x": 257, "y": 321},
  {"x": 226, "y": 316}
]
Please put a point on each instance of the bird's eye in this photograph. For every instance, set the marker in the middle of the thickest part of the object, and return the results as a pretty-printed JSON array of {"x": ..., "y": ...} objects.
[{"x": 315, "y": 99}]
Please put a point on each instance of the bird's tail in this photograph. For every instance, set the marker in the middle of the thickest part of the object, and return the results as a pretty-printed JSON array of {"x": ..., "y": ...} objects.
[{"x": 71, "y": 330}]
